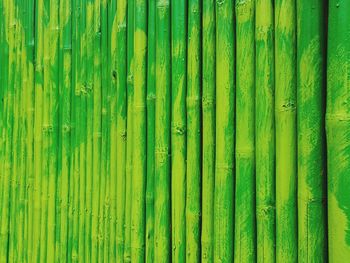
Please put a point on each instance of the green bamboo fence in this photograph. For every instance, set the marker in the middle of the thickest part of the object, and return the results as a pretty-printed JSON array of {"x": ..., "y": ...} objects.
[{"x": 174, "y": 131}]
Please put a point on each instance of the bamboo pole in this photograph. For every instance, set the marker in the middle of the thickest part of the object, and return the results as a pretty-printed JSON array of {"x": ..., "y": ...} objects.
[
  {"x": 89, "y": 124},
  {"x": 337, "y": 128},
  {"x": 22, "y": 229},
  {"x": 312, "y": 239},
  {"x": 193, "y": 100},
  {"x": 3, "y": 97},
  {"x": 129, "y": 141},
  {"x": 83, "y": 140},
  {"x": 76, "y": 116},
  {"x": 96, "y": 131},
  {"x": 6, "y": 209},
  {"x": 4, "y": 71},
  {"x": 121, "y": 72},
  {"x": 139, "y": 134},
  {"x": 103, "y": 190},
  {"x": 81, "y": 125},
  {"x": 162, "y": 209},
  {"x": 245, "y": 228},
  {"x": 38, "y": 122},
  {"x": 265, "y": 131},
  {"x": 21, "y": 247},
  {"x": 285, "y": 110},
  {"x": 178, "y": 127},
  {"x": 113, "y": 153},
  {"x": 65, "y": 53},
  {"x": 47, "y": 134},
  {"x": 12, "y": 253},
  {"x": 108, "y": 197},
  {"x": 29, "y": 34},
  {"x": 151, "y": 85},
  {"x": 208, "y": 139},
  {"x": 53, "y": 126},
  {"x": 59, "y": 187},
  {"x": 18, "y": 231},
  {"x": 224, "y": 152}
]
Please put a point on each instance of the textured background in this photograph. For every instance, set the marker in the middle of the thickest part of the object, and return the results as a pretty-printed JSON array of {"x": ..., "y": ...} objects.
[{"x": 174, "y": 130}]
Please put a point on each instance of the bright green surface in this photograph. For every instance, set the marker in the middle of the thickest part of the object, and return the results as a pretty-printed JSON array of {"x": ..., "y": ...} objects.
[
  {"x": 338, "y": 128},
  {"x": 312, "y": 239},
  {"x": 286, "y": 139},
  {"x": 174, "y": 131},
  {"x": 265, "y": 131}
]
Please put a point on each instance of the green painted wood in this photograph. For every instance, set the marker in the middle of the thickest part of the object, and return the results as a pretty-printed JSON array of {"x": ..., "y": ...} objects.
[
  {"x": 151, "y": 88},
  {"x": 113, "y": 133},
  {"x": 121, "y": 69},
  {"x": 337, "y": 125},
  {"x": 245, "y": 226},
  {"x": 286, "y": 139},
  {"x": 138, "y": 203},
  {"x": 129, "y": 133},
  {"x": 97, "y": 133},
  {"x": 265, "y": 131},
  {"x": 193, "y": 151},
  {"x": 162, "y": 205},
  {"x": 178, "y": 128},
  {"x": 161, "y": 131},
  {"x": 312, "y": 234},
  {"x": 208, "y": 129},
  {"x": 224, "y": 151}
]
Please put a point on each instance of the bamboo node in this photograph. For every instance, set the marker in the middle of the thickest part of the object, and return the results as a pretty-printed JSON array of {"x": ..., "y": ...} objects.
[
  {"x": 151, "y": 97},
  {"x": 83, "y": 89},
  {"x": 337, "y": 117},
  {"x": 195, "y": 10},
  {"x": 193, "y": 101},
  {"x": 114, "y": 74},
  {"x": 38, "y": 66},
  {"x": 245, "y": 152},
  {"x": 224, "y": 167},
  {"x": 47, "y": 128},
  {"x": 13, "y": 25},
  {"x": 66, "y": 128},
  {"x": 67, "y": 47},
  {"x": 162, "y": 154},
  {"x": 208, "y": 102},
  {"x": 89, "y": 88},
  {"x": 178, "y": 129},
  {"x": 130, "y": 79},
  {"x": 264, "y": 210},
  {"x": 139, "y": 108},
  {"x": 163, "y": 4},
  {"x": 121, "y": 26},
  {"x": 123, "y": 135},
  {"x": 263, "y": 31},
  {"x": 220, "y": 2},
  {"x": 288, "y": 106}
]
